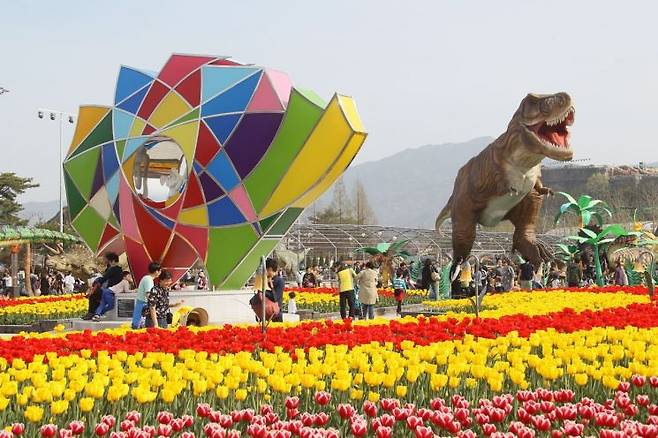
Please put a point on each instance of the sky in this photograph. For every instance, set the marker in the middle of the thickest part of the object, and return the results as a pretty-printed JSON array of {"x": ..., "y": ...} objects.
[{"x": 422, "y": 72}]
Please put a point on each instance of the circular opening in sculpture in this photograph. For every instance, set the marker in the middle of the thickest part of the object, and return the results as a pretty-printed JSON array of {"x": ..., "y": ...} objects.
[{"x": 160, "y": 171}]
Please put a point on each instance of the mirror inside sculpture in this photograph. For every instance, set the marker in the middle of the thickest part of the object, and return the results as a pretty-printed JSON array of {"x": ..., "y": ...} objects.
[{"x": 160, "y": 171}]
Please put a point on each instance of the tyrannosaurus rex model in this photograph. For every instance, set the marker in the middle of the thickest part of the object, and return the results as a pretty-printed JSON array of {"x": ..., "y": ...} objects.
[{"x": 502, "y": 182}]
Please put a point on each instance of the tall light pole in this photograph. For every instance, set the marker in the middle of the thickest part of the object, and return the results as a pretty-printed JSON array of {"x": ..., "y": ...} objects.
[{"x": 54, "y": 115}]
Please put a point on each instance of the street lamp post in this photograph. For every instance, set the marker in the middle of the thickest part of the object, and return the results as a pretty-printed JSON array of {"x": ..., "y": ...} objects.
[{"x": 55, "y": 114}]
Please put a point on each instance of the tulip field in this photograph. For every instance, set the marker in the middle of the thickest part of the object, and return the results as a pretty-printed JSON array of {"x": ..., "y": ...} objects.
[
  {"x": 27, "y": 310},
  {"x": 325, "y": 300},
  {"x": 580, "y": 362}
]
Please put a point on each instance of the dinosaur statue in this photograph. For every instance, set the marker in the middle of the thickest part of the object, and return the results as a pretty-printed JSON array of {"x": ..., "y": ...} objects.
[
  {"x": 503, "y": 181},
  {"x": 289, "y": 261}
]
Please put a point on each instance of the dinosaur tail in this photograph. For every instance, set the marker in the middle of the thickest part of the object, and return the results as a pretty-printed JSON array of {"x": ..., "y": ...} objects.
[{"x": 445, "y": 213}]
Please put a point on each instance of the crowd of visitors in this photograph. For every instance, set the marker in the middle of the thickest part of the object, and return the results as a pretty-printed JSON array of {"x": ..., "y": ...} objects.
[{"x": 42, "y": 282}]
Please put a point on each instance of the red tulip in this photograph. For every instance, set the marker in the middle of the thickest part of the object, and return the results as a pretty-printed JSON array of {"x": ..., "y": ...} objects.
[
  {"x": 164, "y": 429},
  {"x": 187, "y": 435},
  {"x": 638, "y": 380},
  {"x": 256, "y": 431},
  {"x": 150, "y": 430},
  {"x": 101, "y": 429},
  {"x": 369, "y": 408},
  {"x": 468, "y": 433},
  {"x": 400, "y": 414},
  {"x": 48, "y": 430},
  {"x": 225, "y": 421},
  {"x": 488, "y": 429},
  {"x": 388, "y": 404},
  {"x": 383, "y": 432},
  {"x": 345, "y": 410},
  {"x": 109, "y": 420},
  {"x": 214, "y": 416},
  {"x": 188, "y": 420},
  {"x": 653, "y": 409},
  {"x": 331, "y": 433},
  {"x": 437, "y": 403},
  {"x": 321, "y": 418},
  {"x": 165, "y": 417},
  {"x": 202, "y": 410},
  {"x": 541, "y": 423},
  {"x": 17, "y": 428},
  {"x": 117, "y": 435},
  {"x": 322, "y": 398},
  {"x": 423, "y": 432},
  {"x": 266, "y": 409},
  {"x": 624, "y": 386},
  {"x": 359, "y": 428},
  {"x": 307, "y": 419},
  {"x": 292, "y": 413},
  {"x": 653, "y": 381},
  {"x": 572, "y": 428},
  {"x": 65, "y": 433},
  {"x": 236, "y": 434},
  {"x": 126, "y": 425},
  {"x": 387, "y": 420},
  {"x": 413, "y": 422},
  {"x": 292, "y": 402},
  {"x": 556, "y": 433},
  {"x": 6, "y": 434}
]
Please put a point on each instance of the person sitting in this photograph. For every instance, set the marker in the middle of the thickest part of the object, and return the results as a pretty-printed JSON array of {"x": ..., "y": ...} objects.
[
  {"x": 112, "y": 275},
  {"x": 108, "y": 295}
]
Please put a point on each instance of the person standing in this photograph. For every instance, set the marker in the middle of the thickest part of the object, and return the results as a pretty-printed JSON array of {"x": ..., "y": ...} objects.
[
  {"x": 157, "y": 302},
  {"x": 69, "y": 283},
  {"x": 145, "y": 285},
  {"x": 367, "y": 282},
  {"x": 426, "y": 276},
  {"x": 620, "y": 279},
  {"x": 309, "y": 280},
  {"x": 346, "y": 277},
  {"x": 399, "y": 289},
  {"x": 526, "y": 276},
  {"x": 574, "y": 273},
  {"x": 507, "y": 276}
]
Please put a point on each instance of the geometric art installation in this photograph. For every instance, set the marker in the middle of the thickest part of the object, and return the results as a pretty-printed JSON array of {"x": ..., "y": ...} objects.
[{"x": 208, "y": 160}]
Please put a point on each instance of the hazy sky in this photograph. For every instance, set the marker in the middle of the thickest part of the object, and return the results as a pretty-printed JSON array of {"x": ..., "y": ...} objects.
[{"x": 421, "y": 71}]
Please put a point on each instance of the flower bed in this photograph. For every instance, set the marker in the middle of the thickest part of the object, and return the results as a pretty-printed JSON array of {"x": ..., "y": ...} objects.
[
  {"x": 28, "y": 310},
  {"x": 326, "y": 378},
  {"x": 326, "y": 300}
]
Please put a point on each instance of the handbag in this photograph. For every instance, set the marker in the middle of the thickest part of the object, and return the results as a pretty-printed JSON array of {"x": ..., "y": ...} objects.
[{"x": 271, "y": 306}]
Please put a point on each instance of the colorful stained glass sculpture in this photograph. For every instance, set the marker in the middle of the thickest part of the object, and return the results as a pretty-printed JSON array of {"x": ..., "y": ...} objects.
[{"x": 208, "y": 160}]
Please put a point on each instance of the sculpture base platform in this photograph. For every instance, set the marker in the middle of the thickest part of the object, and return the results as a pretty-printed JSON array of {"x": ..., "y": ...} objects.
[{"x": 222, "y": 307}]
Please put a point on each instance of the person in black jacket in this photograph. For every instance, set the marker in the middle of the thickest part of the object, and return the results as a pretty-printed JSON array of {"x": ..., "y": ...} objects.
[{"x": 112, "y": 275}]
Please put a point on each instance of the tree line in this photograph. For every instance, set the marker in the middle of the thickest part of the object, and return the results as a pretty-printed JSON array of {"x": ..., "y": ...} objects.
[{"x": 345, "y": 208}]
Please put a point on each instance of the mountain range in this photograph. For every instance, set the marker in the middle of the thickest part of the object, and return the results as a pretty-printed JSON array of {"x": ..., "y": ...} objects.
[{"x": 409, "y": 189}]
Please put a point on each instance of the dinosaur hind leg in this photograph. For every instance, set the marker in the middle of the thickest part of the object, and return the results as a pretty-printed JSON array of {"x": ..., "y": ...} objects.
[
  {"x": 524, "y": 218},
  {"x": 463, "y": 236}
]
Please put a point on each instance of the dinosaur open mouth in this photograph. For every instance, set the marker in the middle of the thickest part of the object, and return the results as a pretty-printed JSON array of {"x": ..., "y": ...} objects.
[{"x": 555, "y": 132}]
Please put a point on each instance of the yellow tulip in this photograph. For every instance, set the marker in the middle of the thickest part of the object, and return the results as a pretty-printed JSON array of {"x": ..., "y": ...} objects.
[
  {"x": 34, "y": 413},
  {"x": 401, "y": 391},
  {"x": 86, "y": 404}
]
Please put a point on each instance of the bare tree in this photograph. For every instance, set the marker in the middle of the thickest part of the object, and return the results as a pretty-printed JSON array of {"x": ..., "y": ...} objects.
[{"x": 364, "y": 213}]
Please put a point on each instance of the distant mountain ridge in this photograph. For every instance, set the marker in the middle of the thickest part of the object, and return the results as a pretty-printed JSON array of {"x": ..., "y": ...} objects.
[
  {"x": 36, "y": 212},
  {"x": 409, "y": 188}
]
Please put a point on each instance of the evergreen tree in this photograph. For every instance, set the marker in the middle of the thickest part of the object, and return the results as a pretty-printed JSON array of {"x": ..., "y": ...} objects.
[
  {"x": 11, "y": 186},
  {"x": 341, "y": 204}
]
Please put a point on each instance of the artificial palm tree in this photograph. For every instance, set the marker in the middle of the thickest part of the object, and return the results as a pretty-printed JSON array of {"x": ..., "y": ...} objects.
[
  {"x": 596, "y": 240},
  {"x": 585, "y": 208}
]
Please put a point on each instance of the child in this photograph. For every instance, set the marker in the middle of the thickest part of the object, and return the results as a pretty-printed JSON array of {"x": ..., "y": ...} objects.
[
  {"x": 108, "y": 294},
  {"x": 292, "y": 306},
  {"x": 399, "y": 288}
]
